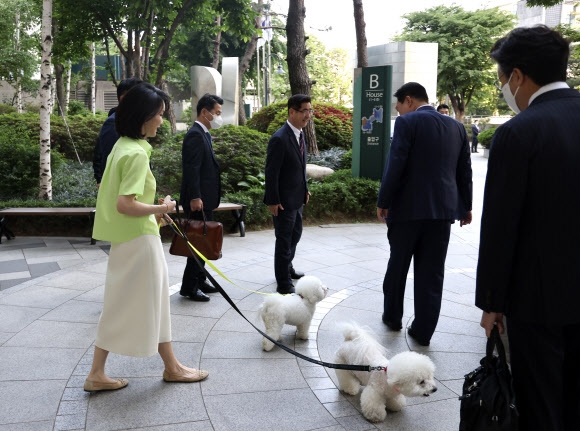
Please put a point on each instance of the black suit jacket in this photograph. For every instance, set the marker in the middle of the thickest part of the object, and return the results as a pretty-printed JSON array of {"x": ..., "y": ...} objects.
[
  {"x": 201, "y": 170},
  {"x": 529, "y": 254},
  {"x": 428, "y": 171},
  {"x": 285, "y": 171}
]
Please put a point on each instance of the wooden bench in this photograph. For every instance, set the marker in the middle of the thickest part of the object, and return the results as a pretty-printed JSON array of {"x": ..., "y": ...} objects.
[
  {"x": 50, "y": 211},
  {"x": 238, "y": 211}
]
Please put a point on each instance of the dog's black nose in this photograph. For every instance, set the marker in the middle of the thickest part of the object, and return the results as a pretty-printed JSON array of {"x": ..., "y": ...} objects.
[{"x": 435, "y": 389}]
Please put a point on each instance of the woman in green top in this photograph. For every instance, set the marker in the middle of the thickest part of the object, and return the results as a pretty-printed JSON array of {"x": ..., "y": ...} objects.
[{"x": 135, "y": 320}]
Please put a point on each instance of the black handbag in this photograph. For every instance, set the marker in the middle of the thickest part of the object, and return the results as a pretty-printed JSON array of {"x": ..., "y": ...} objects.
[{"x": 488, "y": 400}]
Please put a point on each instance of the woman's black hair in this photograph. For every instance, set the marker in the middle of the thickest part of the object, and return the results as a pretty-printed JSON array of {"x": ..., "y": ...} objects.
[{"x": 140, "y": 104}]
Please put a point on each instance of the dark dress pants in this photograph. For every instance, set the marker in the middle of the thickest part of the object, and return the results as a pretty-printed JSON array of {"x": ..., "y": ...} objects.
[
  {"x": 474, "y": 143},
  {"x": 193, "y": 275},
  {"x": 426, "y": 241},
  {"x": 288, "y": 230},
  {"x": 544, "y": 362}
]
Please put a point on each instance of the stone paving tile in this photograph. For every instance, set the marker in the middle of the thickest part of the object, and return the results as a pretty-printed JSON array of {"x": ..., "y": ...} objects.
[
  {"x": 10, "y": 266},
  {"x": 40, "y": 297},
  {"x": 29, "y": 426},
  {"x": 235, "y": 376},
  {"x": 76, "y": 311},
  {"x": 54, "y": 334},
  {"x": 145, "y": 402},
  {"x": 40, "y": 269},
  {"x": 15, "y": 318},
  {"x": 288, "y": 410},
  {"x": 33, "y": 364},
  {"x": 21, "y": 401}
]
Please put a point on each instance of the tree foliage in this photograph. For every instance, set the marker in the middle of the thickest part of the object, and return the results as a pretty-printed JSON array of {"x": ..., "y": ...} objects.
[
  {"x": 332, "y": 72},
  {"x": 19, "y": 55},
  {"x": 545, "y": 3},
  {"x": 465, "y": 39}
]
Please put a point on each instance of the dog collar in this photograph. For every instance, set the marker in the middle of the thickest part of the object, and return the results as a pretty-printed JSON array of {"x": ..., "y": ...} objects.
[{"x": 379, "y": 368}]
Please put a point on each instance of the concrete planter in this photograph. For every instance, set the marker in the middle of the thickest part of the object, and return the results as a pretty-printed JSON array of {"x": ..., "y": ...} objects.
[{"x": 486, "y": 153}]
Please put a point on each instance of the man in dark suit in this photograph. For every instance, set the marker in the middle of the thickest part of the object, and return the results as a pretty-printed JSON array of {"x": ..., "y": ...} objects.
[
  {"x": 200, "y": 185},
  {"x": 529, "y": 253},
  {"x": 108, "y": 135},
  {"x": 427, "y": 177},
  {"x": 474, "y": 133},
  {"x": 286, "y": 188}
]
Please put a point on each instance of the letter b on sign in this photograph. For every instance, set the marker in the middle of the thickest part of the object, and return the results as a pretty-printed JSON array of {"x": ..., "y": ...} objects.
[{"x": 374, "y": 81}]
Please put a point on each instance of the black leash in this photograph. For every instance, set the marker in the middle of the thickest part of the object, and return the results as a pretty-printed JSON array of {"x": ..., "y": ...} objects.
[{"x": 183, "y": 236}]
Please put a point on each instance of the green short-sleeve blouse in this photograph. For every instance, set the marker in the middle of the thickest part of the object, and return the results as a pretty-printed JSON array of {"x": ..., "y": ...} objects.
[{"x": 127, "y": 172}]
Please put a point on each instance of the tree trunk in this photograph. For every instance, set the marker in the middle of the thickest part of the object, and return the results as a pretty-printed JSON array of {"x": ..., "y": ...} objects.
[
  {"x": 92, "y": 100},
  {"x": 361, "y": 37},
  {"x": 67, "y": 86},
  {"x": 244, "y": 66},
  {"x": 170, "y": 113},
  {"x": 458, "y": 107},
  {"x": 45, "y": 191},
  {"x": 216, "y": 44},
  {"x": 59, "y": 84},
  {"x": 297, "y": 72},
  {"x": 18, "y": 77}
]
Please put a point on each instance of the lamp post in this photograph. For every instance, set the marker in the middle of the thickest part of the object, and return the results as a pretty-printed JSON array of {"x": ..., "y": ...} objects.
[{"x": 267, "y": 78}]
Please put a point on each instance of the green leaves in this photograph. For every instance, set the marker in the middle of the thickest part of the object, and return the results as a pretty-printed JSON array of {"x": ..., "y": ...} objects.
[{"x": 465, "y": 39}]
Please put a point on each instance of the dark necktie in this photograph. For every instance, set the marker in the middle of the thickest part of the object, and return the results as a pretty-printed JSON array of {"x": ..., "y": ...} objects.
[
  {"x": 302, "y": 143},
  {"x": 209, "y": 139}
]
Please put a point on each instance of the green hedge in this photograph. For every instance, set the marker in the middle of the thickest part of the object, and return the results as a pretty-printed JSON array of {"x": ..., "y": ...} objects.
[
  {"x": 332, "y": 123},
  {"x": 484, "y": 138},
  {"x": 240, "y": 152}
]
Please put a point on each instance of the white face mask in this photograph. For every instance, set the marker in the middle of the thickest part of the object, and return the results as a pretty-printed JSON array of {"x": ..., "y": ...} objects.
[
  {"x": 509, "y": 97},
  {"x": 216, "y": 122}
]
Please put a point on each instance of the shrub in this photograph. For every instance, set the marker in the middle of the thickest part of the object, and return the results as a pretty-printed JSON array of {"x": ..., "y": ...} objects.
[
  {"x": 76, "y": 107},
  {"x": 331, "y": 158},
  {"x": 484, "y": 138},
  {"x": 7, "y": 109},
  {"x": 332, "y": 123},
  {"x": 339, "y": 193},
  {"x": 166, "y": 166},
  {"x": 240, "y": 152},
  {"x": 19, "y": 163},
  {"x": 72, "y": 182},
  {"x": 347, "y": 160},
  {"x": 257, "y": 214}
]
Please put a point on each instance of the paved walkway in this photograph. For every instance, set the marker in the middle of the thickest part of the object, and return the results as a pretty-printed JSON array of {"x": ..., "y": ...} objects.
[{"x": 51, "y": 297}]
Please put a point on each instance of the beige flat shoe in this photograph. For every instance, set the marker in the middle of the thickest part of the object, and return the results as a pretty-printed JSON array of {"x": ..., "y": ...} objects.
[
  {"x": 99, "y": 386},
  {"x": 196, "y": 376}
]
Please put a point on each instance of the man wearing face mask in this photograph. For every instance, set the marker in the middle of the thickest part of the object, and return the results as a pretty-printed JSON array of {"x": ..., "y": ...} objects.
[
  {"x": 530, "y": 242},
  {"x": 200, "y": 185}
]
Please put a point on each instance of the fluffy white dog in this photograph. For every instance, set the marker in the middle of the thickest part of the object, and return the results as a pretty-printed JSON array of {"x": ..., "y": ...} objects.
[
  {"x": 408, "y": 374},
  {"x": 296, "y": 310}
]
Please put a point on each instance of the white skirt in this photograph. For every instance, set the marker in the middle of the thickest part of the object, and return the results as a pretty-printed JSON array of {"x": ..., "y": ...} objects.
[{"x": 135, "y": 317}]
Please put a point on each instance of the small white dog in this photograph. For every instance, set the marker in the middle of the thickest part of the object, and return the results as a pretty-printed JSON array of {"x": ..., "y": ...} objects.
[
  {"x": 296, "y": 310},
  {"x": 408, "y": 374}
]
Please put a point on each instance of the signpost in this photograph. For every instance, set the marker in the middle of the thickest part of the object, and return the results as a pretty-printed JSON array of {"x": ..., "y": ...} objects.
[{"x": 371, "y": 121}]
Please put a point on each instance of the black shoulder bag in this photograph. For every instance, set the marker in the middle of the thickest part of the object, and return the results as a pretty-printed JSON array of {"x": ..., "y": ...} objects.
[{"x": 488, "y": 400}]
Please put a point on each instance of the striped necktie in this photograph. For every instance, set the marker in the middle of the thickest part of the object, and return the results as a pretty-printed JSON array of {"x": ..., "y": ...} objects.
[{"x": 302, "y": 143}]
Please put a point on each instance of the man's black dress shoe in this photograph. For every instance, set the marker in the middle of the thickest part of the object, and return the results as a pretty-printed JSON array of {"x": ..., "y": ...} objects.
[
  {"x": 295, "y": 275},
  {"x": 418, "y": 340},
  {"x": 285, "y": 290},
  {"x": 199, "y": 296},
  {"x": 393, "y": 326},
  {"x": 205, "y": 287}
]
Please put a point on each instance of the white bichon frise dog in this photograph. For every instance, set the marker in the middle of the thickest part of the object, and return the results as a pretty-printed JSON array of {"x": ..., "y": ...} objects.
[
  {"x": 408, "y": 374},
  {"x": 296, "y": 310}
]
